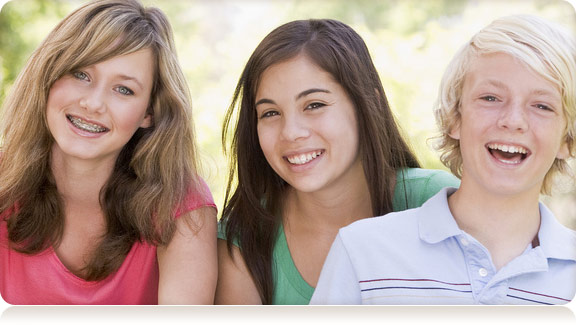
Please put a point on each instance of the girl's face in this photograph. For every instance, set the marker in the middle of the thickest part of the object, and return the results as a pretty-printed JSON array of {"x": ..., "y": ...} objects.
[
  {"x": 511, "y": 129},
  {"x": 307, "y": 127},
  {"x": 93, "y": 112}
]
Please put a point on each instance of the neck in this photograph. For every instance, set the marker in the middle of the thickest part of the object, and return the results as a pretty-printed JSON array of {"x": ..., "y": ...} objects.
[
  {"x": 505, "y": 225},
  {"x": 332, "y": 210},
  {"x": 79, "y": 182}
]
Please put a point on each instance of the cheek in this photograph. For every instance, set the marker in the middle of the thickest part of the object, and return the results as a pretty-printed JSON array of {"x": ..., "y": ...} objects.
[
  {"x": 473, "y": 123},
  {"x": 266, "y": 140},
  {"x": 349, "y": 138},
  {"x": 129, "y": 117},
  {"x": 341, "y": 135},
  {"x": 343, "y": 128},
  {"x": 56, "y": 95},
  {"x": 53, "y": 105}
]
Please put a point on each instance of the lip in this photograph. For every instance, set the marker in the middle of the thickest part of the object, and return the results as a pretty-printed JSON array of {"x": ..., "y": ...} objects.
[
  {"x": 315, "y": 154},
  {"x": 508, "y": 147},
  {"x": 84, "y": 133}
]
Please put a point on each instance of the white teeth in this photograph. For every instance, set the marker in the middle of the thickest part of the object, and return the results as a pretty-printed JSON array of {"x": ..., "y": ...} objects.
[
  {"x": 507, "y": 148},
  {"x": 303, "y": 158},
  {"x": 510, "y": 162},
  {"x": 83, "y": 125}
]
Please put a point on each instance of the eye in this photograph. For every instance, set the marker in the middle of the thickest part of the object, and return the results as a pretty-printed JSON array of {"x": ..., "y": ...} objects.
[
  {"x": 544, "y": 107},
  {"x": 80, "y": 75},
  {"x": 124, "y": 90},
  {"x": 315, "y": 105},
  {"x": 489, "y": 98},
  {"x": 269, "y": 114}
]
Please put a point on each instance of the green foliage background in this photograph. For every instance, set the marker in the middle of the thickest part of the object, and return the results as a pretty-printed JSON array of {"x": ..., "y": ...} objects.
[{"x": 411, "y": 42}]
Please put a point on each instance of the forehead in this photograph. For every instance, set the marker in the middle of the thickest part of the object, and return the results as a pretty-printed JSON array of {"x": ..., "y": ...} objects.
[
  {"x": 137, "y": 65},
  {"x": 141, "y": 61},
  {"x": 506, "y": 72},
  {"x": 106, "y": 47},
  {"x": 295, "y": 74}
]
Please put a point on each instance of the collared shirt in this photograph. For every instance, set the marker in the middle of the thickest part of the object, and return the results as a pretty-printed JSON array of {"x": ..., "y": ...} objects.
[{"x": 421, "y": 256}]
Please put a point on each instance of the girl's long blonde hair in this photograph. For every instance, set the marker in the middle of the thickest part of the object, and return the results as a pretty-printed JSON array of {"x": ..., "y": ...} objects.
[{"x": 153, "y": 173}]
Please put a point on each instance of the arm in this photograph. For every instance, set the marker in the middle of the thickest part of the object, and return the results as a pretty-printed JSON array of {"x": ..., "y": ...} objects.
[
  {"x": 235, "y": 284},
  {"x": 338, "y": 282},
  {"x": 188, "y": 264}
]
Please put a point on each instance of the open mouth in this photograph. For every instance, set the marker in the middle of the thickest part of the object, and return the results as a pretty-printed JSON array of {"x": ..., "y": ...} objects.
[
  {"x": 304, "y": 158},
  {"x": 86, "y": 126},
  {"x": 508, "y": 154}
]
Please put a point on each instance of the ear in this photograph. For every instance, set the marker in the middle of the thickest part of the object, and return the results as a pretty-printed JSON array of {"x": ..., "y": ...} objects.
[
  {"x": 563, "y": 151},
  {"x": 147, "y": 121},
  {"x": 454, "y": 132}
]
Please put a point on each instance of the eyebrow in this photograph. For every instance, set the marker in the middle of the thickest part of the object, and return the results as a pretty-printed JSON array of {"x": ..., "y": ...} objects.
[
  {"x": 544, "y": 92},
  {"x": 126, "y": 77},
  {"x": 300, "y": 95},
  {"x": 538, "y": 91},
  {"x": 311, "y": 91},
  {"x": 495, "y": 83}
]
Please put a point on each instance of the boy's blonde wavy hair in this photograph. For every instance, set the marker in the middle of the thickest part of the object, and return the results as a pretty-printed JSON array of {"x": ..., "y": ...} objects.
[{"x": 546, "y": 48}]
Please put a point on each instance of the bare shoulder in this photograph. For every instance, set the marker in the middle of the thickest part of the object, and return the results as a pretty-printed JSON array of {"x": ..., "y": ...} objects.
[
  {"x": 188, "y": 264},
  {"x": 235, "y": 284}
]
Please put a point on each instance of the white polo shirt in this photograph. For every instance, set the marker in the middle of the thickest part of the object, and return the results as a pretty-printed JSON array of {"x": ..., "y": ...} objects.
[{"x": 421, "y": 256}]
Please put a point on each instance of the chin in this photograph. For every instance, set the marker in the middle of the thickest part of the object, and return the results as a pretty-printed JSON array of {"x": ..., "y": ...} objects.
[
  {"x": 511, "y": 190},
  {"x": 305, "y": 187}
]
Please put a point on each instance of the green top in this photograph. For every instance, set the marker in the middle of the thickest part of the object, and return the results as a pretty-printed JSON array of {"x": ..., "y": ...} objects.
[{"x": 290, "y": 287}]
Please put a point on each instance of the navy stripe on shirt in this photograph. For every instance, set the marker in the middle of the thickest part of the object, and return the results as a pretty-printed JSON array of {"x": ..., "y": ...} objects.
[
  {"x": 430, "y": 280},
  {"x": 539, "y": 302},
  {"x": 415, "y": 288},
  {"x": 540, "y": 294}
]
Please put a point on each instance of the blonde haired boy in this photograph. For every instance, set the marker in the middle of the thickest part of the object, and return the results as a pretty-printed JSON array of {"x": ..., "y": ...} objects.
[{"x": 506, "y": 110}]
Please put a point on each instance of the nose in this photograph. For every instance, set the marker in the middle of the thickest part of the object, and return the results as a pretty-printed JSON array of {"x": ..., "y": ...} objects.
[
  {"x": 295, "y": 127},
  {"x": 93, "y": 101},
  {"x": 513, "y": 117}
]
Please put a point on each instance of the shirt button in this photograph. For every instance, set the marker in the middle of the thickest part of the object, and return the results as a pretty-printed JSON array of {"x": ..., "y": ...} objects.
[
  {"x": 483, "y": 272},
  {"x": 464, "y": 241}
]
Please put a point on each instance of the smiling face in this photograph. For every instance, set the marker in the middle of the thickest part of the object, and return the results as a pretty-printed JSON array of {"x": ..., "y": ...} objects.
[
  {"x": 511, "y": 128},
  {"x": 93, "y": 112},
  {"x": 307, "y": 127}
]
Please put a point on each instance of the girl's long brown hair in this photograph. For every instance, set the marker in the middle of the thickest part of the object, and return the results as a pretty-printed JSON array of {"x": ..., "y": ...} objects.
[
  {"x": 254, "y": 192},
  {"x": 154, "y": 171}
]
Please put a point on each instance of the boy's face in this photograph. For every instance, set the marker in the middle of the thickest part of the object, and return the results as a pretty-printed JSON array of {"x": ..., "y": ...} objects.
[{"x": 511, "y": 128}]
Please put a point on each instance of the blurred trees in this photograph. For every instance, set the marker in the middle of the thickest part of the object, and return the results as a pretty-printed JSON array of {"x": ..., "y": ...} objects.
[
  {"x": 411, "y": 41},
  {"x": 23, "y": 25}
]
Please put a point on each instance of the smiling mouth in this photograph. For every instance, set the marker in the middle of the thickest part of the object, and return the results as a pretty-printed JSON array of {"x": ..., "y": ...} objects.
[
  {"x": 86, "y": 126},
  {"x": 304, "y": 158},
  {"x": 508, "y": 154}
]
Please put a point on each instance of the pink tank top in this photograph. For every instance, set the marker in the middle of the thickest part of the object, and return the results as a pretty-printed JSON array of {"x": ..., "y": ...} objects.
[{"x": 42, "y": 279}]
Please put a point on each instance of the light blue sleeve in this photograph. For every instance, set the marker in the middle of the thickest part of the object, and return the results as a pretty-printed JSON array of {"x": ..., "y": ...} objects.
[{"x": 338, "y": 283}]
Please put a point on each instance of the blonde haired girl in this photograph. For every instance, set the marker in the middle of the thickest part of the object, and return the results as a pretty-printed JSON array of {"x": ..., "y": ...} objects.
[{"x": 100, "y": 198}]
